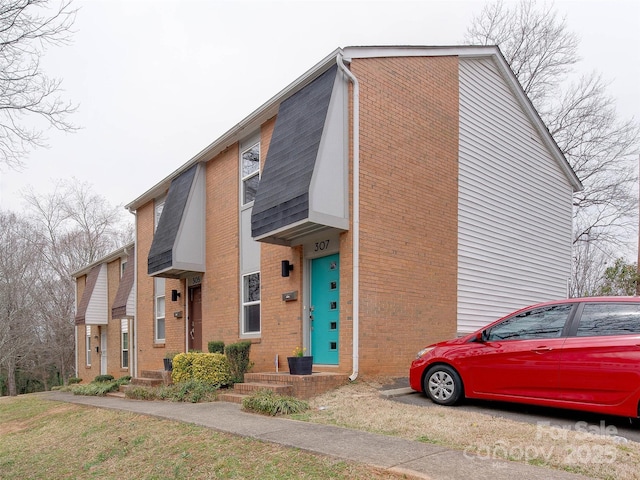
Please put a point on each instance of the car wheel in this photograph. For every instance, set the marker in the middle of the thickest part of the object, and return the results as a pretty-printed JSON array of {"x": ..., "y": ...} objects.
[{"x": 443, "y": 385}]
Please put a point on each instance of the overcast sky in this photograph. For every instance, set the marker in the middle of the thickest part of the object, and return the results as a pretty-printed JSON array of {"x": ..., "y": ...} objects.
[{"x": 158, "y": 81}]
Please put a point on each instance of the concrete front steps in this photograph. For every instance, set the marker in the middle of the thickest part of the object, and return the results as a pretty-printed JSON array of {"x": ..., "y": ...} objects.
[{"x": 299, "y": 386}]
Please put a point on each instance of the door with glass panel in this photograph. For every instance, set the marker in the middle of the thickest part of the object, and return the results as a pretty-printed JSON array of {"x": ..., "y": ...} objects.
[{"x": 324, "y": 311}]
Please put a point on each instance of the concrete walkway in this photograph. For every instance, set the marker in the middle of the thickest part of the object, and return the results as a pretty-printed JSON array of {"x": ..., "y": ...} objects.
[{"x": 414, "y": 459}]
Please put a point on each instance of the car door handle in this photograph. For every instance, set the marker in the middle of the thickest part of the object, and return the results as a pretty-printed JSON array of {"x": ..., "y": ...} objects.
[{"x": 542, "y": 349}]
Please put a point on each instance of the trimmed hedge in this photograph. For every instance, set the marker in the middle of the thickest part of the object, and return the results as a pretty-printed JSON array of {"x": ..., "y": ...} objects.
[
  {"x": 215, "y": 346},
  {"x": 211, "y": 368},
  {"x": 238, "y": 356}
]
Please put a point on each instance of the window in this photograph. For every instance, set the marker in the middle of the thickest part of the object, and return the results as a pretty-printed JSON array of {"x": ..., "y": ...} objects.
[
  {"x": 158, "y": 212},
  {"x": 251, "y": 303},
  {"x": 543, "y": 322},
  {"x": 124, "y": 342},
  {"x": 159, "y": 310},
  {"x": 250, "y": 173},
  {"x": 609, "y": 319},
  {"x": 122, "y": 267},
  {"x": 88, "y": 345}
]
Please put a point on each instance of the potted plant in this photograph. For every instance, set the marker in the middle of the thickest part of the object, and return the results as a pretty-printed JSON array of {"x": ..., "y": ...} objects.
[
  {"x": 300, "y": 364},
  {"x": 168, "y": 361}
]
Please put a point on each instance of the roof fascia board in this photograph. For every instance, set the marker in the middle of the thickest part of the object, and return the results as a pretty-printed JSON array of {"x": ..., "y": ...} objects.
[
  {"x": 418, "y": 51},
  {"x": 108, "y": 258},
  {"x": 473, "y": 51},
  {"x": 252, "y": 122}
]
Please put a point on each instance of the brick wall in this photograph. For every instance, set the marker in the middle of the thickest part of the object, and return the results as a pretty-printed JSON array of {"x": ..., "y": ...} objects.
[
  {"x": 408, "y": 204},
  {"x": 408, "y": 256}
]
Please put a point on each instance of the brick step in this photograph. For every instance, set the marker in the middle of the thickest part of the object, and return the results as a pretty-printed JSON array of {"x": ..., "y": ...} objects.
[
  {"x": 250, "y": 387},
  {"x": 152, "y": 374},
  {"x": 231, "y": 397},
  {"x": 146, "y": 382},
  {"x": 118, "y": 394}
]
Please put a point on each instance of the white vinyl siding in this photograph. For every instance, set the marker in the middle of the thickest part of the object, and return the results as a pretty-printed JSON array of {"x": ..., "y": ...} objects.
[
  {"x": 515, "y": 204},
  {"x": 97, "y": 312}
]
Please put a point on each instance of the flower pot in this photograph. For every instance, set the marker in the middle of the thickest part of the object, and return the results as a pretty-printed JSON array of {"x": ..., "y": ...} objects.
[
  {"x": 300, "y": 365},
  {"x": 168, "y": 364}
]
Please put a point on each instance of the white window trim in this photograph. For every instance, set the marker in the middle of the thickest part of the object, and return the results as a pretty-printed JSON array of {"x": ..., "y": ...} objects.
[
  {"x": 158, "y": 207},
  {"x": 88, "y": 346},
  {"x": 124, "y": 329},
  {"x": 157, "y": 297},
  {"x": 244, "y": 178},
  {"x": 243, "y": 333}
]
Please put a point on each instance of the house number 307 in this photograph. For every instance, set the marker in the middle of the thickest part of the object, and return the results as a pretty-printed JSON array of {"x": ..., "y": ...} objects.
[{"x": 321, "y": 246}]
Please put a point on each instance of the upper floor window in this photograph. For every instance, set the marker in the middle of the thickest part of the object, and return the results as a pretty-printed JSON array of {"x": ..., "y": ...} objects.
[
  {"x": 159, "y": 206},
  {"x": 250, "y": 159}
]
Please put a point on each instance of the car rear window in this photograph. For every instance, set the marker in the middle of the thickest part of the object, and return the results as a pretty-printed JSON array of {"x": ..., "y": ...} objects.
[{"x": 599, "y": 319}]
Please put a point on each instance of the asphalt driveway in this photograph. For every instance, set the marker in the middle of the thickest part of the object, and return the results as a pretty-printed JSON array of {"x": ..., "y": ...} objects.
[{"x": 568, "y": 419}]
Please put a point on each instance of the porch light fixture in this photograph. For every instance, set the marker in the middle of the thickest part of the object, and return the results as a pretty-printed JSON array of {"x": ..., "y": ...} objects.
[
  {"x": 286, "y": 268},
  {"x": 175, "y": 294}
]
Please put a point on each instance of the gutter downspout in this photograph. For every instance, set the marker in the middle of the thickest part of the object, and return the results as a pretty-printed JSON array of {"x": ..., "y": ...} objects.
[
  {"x": 356, "y": 215},
  {"x": 84, "y": 333},
  {"x": 134, "y": 344}
]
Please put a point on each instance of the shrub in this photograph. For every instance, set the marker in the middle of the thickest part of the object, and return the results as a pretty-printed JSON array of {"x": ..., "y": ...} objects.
[
  {"x": 190, "y": 391},
  {"x": 212, "y": 368},
  {"x": 100, "y": 386},
  {"x": 139, "y": 392},
  {"x": 268, "y": 403},
  {"x": 74, "y": 380},
  {"x": 238, "y": 355},
  {"x": 216, "y": 347}
]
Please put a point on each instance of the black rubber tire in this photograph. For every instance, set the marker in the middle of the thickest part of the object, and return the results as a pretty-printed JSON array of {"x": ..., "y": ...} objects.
[{"x": 443, "y": 385}]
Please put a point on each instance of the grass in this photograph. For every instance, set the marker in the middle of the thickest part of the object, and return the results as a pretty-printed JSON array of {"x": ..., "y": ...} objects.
[{"x": 41, "y": 439}]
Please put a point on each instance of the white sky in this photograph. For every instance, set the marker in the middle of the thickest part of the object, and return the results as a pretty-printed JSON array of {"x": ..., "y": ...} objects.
[{"x": 158, "y": 81}]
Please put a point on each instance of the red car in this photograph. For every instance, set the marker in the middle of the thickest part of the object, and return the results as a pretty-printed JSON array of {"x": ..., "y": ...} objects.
[{"x": 579, "y": 353}]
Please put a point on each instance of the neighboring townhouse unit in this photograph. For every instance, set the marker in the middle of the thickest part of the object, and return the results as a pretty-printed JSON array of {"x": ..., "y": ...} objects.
[
  {"x": 388, "y": 198},
  {"x": 105, "y": 308}
]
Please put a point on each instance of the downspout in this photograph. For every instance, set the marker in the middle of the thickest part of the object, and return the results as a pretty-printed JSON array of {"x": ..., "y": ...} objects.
[
  {"x": 84, "y": 334},
  {"x": 134, "y": 343},
  {"x": 356, "y": 216}
]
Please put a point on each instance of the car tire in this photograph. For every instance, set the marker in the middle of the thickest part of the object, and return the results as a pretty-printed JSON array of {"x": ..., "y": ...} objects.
[{"x": 443, "y": 385}]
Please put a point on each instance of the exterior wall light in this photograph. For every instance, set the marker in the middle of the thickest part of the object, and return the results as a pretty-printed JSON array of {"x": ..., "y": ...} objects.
[{"x": 286, "y": 268}]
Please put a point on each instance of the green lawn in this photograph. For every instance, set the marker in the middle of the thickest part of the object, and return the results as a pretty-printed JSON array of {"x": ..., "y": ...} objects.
[{"x": 50, "y": 440}]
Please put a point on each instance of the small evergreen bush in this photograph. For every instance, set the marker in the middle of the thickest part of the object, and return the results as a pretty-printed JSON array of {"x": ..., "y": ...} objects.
[
  {"x": 215, "y": 346},
  {"x": 74, "y": 380},
  {"x": 139, "y": 392},
  {"x": 238, "y": 355},
  {"x": 212, "y": 368},
  {"x": 100, "y": 386},
  {"x": 268, "y": 403}
]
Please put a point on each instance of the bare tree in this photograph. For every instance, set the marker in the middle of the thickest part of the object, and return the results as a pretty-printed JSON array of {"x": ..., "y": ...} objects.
[
  {"x": 19, "y": 284},
  {"x": 580, "y": 115},
  {"x": 29, "y": 99},
  {"x": 75, "y": 228}
]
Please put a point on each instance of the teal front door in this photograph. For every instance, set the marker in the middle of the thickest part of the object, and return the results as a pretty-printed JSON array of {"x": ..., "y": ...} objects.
[{"x": 325, "y": 309}]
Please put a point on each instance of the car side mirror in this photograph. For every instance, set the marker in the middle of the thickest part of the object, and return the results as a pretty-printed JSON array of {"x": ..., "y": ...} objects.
[{"x": 479, "y": 338}]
